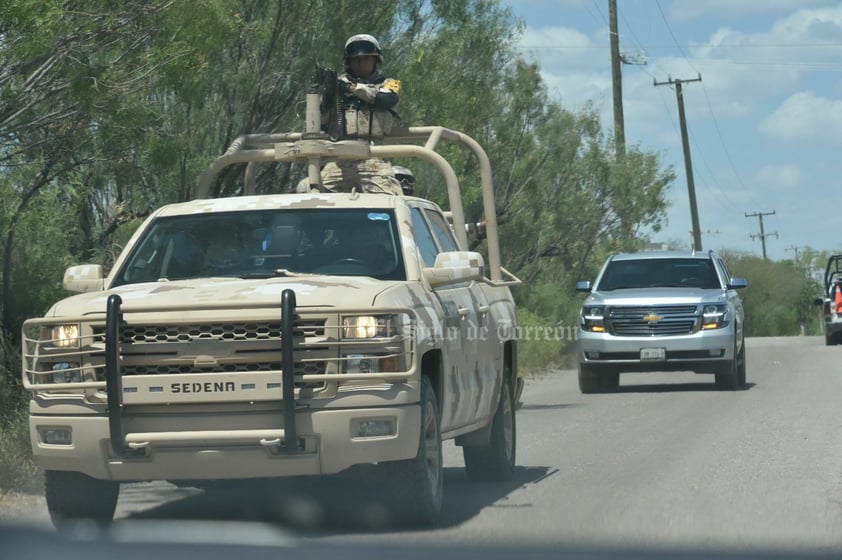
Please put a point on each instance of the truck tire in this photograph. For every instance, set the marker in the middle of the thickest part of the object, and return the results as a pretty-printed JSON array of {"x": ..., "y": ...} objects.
[
  {"x": 589, "y": 380},
  {"x": 495, "y": 461},
  {"x": 519, "y": 392},
  {"x": 416, "y": 485},
  {"x": 73, "y": 495}
]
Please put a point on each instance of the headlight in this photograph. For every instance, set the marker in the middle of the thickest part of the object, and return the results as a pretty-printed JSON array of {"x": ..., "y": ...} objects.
[
  {"x": 62, "y": 336},
  {"x": 714, "y": 316},
  {"x": 593, "y": 318},
  {"x": 369, "y": 326},
  {"x": 363, "y": 363}
]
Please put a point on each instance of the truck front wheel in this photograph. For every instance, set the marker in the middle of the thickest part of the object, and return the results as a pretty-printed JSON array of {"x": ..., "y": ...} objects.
[
  {"x": 495, "y": 461},
  {"x": 73, "y": 495},
  {"x": 416, "y": 485}
]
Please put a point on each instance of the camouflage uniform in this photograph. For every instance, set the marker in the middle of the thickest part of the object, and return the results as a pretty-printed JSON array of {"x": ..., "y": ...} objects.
[{"x": 368, "y": 112}]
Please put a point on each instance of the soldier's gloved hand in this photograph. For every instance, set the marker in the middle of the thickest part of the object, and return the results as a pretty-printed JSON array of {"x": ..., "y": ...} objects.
[
  {"x": 366, "y": 92},
  {"x": 344, "y": 84}
]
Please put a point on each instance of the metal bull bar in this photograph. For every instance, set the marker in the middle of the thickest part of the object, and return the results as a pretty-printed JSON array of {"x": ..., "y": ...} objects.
[{"x": 126, "y": 446}]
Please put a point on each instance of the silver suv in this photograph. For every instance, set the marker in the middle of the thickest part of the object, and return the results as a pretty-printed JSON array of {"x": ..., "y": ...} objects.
[{"x": 661, "y": 311}]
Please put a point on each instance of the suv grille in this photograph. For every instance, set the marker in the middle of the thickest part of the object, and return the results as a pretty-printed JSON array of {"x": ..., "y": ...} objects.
[{"x": 653, "y": 321}]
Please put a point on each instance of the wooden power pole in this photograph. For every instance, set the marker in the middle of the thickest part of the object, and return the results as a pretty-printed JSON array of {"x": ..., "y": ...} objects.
[
  {"x": 763, "y": 235},
  {"x": 688, "y": 164},
  {"x": 617, "y": 81}
]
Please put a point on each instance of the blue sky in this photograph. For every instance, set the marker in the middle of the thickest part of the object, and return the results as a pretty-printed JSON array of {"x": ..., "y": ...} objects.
[{"x": 765, "y": 122}]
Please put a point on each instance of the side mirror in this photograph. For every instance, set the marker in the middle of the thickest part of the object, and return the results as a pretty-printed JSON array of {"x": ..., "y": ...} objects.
[
  {"x": 84, "y": 278},
  {"x": 818, "y": 301},
  {"x": 737, "y": 283},
  {"x": 583, "y": 286},
  {"x": 455, "y": 267}
]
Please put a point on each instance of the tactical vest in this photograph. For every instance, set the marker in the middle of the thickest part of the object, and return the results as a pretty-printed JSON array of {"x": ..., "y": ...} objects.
[{"x": 362, "y": 120}]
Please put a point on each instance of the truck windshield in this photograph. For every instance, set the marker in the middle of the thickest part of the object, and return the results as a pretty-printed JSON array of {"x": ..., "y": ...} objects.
[
  {"x": 267, "y": 243},
  {"x": 654, "y": 273}
]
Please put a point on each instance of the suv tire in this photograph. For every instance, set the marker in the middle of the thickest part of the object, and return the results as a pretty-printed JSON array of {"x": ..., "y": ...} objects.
[
  {"x": 741, "y": 366},
  {"x": 728, "y": 377},
  {"x": 590, "y": 381}
]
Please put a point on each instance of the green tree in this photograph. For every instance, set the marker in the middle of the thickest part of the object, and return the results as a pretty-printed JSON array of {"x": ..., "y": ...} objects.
[{"x": 779, "y": 297}]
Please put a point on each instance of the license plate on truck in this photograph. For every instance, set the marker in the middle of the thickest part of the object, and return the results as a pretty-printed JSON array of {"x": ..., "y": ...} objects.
[{"x": 653, "y": 354}]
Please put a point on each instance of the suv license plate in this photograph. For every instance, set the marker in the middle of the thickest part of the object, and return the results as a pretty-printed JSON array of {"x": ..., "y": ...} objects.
[{"x": 653, "y": 354}]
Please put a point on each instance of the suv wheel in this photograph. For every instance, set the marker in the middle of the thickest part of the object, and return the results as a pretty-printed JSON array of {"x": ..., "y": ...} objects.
[
  {"x": 741, "y": 366},
  {"x": 73, "y": 495},
  {"x": 728, "y": 377},
  {"x": 589, "y": 380},
  {"x": 610, "y": 380}
]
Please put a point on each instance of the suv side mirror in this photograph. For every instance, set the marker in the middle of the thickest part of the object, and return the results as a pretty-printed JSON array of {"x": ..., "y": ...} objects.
[
  {"x": 583, "y": 286},
  {"x": 737, "y": 283}
]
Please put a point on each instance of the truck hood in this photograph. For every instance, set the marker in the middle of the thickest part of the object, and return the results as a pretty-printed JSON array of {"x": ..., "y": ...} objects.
[
  {"x": 656, "y": 296},
  {"x": 345, "y": 291}
]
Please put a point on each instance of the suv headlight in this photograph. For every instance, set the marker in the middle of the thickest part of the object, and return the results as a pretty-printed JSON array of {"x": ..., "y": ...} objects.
[
  {"x": 593, "y": 318},
  {"x": 714, "y": 316}
]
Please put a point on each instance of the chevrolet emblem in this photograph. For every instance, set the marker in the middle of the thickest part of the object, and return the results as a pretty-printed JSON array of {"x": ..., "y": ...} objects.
[{"x": 652, "y": 318}]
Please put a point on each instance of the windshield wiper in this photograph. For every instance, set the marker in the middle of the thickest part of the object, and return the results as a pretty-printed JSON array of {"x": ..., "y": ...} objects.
[
  {"x": 621, "y": 287},
  {"x": 277, "y": 273}
]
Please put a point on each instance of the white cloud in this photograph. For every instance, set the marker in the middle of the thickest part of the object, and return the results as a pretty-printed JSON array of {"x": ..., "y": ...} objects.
[
  {"x": 803, "y": 40},
  {"x": 780, "y": 178},
  {"x": 805, "y": 117},
  {"x": 681, "y": 10}
]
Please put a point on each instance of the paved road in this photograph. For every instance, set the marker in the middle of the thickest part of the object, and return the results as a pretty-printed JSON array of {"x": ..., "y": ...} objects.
[{"x": 665, "y": 462}]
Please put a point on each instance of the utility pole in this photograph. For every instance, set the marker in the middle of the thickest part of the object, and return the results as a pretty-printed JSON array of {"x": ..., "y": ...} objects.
[
  {"x": 794, "y": 248},
  {"x": 688, "y": 164},
  {"x": 763, "y": 235},
  {"x": 617, "y": 81}
]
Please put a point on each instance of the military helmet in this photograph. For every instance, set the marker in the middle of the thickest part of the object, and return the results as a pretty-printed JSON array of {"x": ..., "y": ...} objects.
[{"x": 362, "y": 45}]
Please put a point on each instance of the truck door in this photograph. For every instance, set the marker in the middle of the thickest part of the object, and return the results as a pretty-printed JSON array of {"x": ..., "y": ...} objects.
[{"x": 469, "y": 377}]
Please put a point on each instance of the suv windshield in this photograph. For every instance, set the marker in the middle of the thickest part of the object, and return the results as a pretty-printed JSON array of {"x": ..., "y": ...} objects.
[
  {"x": 653, "y": 273},
  {"x": 266, "y": 243}
]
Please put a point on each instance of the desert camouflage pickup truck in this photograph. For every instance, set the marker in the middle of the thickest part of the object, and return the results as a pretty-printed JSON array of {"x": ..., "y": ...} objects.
[{"x": 278, "y": 335}]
